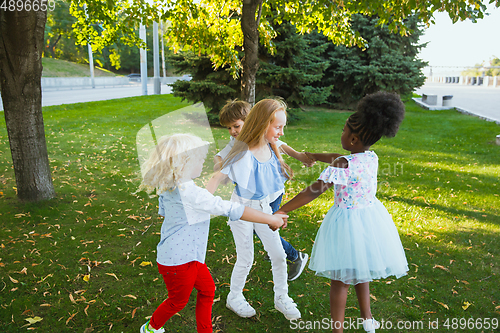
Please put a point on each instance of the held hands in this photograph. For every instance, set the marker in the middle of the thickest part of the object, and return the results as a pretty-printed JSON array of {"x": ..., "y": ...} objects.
[
  {"x": 307, "y": 159},
  {"x": 285, "y": 217},
  {"x": 277, "y": 220}
]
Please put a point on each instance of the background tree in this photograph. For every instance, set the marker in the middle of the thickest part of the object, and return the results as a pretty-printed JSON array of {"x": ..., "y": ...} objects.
[
  {"x": 389, "y": 62},
  {"x": 309, "y": 70},
  {"x": 495, "y": 62},
  {"x": 21, "y": 47}
]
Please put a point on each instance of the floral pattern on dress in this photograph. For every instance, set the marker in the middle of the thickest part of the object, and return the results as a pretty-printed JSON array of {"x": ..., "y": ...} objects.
[{"x": 356, "y": 185}]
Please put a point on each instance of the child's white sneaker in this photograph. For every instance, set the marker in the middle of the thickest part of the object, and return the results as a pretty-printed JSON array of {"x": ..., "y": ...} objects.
[
  {"x": 370, "y": 325},
  {"x": 287, "y": 307},
  {"x": 240, "y": 306},
  {"x": 145, "y": 329}
]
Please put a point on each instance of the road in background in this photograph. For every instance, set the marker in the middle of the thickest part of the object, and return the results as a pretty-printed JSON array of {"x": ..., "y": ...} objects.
[
  {"x": 81, "y": 95},
  {"x": 481, "y": 101},
  {"x": 478, "y": 100}
]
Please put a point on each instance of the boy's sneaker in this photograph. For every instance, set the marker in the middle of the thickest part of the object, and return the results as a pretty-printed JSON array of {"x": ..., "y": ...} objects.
[
  {"x": 145, "y": 329},
  {"x": 287, "y": 307},
  {"x": 296, "y": 267},
  {"x": 370, "y": 325},
  {"x": 240, "y": 306}
]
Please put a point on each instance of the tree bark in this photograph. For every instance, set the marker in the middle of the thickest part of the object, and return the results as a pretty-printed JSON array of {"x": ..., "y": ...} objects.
[
  {"x": 52, "y": 47},
  {"x": 250, "y": 61},
  {"x": 21, "y": 48}
]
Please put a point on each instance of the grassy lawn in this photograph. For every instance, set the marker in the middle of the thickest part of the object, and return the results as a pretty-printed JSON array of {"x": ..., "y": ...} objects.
[
  {"x": 84, "y": 261},
  {"x": 63, "y": 68}
]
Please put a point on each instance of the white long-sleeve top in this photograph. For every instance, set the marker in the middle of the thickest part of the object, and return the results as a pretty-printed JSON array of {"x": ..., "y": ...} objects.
[{"x": 184, "y": 232}]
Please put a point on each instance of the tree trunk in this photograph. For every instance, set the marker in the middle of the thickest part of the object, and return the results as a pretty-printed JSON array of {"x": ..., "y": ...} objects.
[
  {"x": 52, "y": 47},
  {"x": 250, "y": 62},
  {"x": 21, "y": 47}
]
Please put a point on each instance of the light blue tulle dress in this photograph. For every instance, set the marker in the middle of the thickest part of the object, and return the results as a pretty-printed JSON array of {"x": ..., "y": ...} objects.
[{"x": 357, "y": 241}]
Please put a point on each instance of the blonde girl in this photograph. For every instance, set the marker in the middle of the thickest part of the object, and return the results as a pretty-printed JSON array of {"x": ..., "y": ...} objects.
[
  {"x": 255, "y": 165},
  {"x": 170, "y": 170}
]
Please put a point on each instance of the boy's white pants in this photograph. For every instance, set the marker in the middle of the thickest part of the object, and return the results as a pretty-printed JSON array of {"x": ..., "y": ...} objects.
[{"x": 243, "y": 238}]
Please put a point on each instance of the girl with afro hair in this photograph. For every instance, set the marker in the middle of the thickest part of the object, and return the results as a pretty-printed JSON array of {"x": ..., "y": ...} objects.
[{"x": 357, "y": 241}]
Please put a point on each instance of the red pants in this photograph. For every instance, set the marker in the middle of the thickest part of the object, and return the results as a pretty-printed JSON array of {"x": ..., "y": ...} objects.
[{"x": 180, "y": 281}]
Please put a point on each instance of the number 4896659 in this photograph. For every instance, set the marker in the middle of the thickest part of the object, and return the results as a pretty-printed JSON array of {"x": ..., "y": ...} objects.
[{"x": 28, "y": 5}]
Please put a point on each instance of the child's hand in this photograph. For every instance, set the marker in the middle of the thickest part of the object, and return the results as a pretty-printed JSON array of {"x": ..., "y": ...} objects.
[
  {"x": 277, "y": 220},
  {"x": 308, "y": 159},
  {"x": 285, "y": 218}
]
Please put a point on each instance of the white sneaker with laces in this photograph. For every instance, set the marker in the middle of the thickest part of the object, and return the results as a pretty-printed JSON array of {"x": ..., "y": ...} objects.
[
  {"x": 240, "y": 306},
  {"x": 287, "y": 307},
  {"x": 370, "y": 325},
  {"x": 145, "y": 329}
]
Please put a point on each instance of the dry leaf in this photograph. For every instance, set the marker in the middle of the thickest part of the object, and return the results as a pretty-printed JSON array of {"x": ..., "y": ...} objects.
[
  {"x": 131, "y": 296},
  {"x": 133, "y": 312},
  {"x": 86, "y": 310},
  {"x": 13, "y": 280},
  {"x": 146, "y": 263},
  {"x": 442, "y": 304},
  {"x": 410, "y": 298},
  {"x": 113, "y": 275},
  {"x": 45, "y": 278},
  {"x": 86, "y": 278},
  {"x": 441, "y": 267},
  {"x": 72, "y": 299},
  {"x": 71, "y": 317}
]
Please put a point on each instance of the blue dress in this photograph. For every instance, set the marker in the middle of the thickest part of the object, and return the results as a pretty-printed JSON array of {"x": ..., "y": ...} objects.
[{"x": 357, "y": 241}]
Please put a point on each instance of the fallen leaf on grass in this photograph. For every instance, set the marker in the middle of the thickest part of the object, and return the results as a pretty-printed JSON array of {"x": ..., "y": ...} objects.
[
  {"x": 133, "y": 312},
  {"x": 466, "y": 305},
  {"x": 45, "y": 304},
  {"x": 441, "y": 267},
  {"x": 33, "y": 320},
  {"x": 85, "y": 310},
  {"x": 45, "y": 278},
  {"x": 23, "y": 271},
  {"x": 86, "y": 278},
  {"x": 13, "y": 280},
  {"x": 71, "y": 317},
  {"x": 146, "y": 263},
  {"x": 443, "y": 305},
  {"x": 72, "y": 299},
  {"x": 131, "y": 296},
  {"x": 113, "y": 275}
]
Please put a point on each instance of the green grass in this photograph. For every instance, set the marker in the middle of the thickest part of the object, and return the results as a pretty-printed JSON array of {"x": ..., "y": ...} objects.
[
  {"x": 439, "y": 178},
  {"x": 63, "y": 68}
]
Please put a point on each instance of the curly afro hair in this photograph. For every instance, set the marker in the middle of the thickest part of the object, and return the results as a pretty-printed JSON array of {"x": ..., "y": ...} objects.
[{"x": 377, "y": 115}]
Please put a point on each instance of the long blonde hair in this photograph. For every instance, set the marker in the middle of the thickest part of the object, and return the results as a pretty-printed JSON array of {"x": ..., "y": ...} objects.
[
  {"x": 169, "y": 161},
  {"x": 255, "y": 128}
]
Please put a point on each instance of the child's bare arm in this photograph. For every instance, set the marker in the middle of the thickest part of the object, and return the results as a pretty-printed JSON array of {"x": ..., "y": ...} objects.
[
  {"x": 305, "y": 196},
  {"x": 214, "y": 182},
  {"x": 253, "y": 215},
  {"x": 302, "y": 157},
  {"x": 323, "y": 157},
  {"x": 217, "y": 163}
]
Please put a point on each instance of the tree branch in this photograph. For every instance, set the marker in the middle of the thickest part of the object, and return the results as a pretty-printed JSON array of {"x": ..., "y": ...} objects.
[{"x": 260, "y": 13}]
